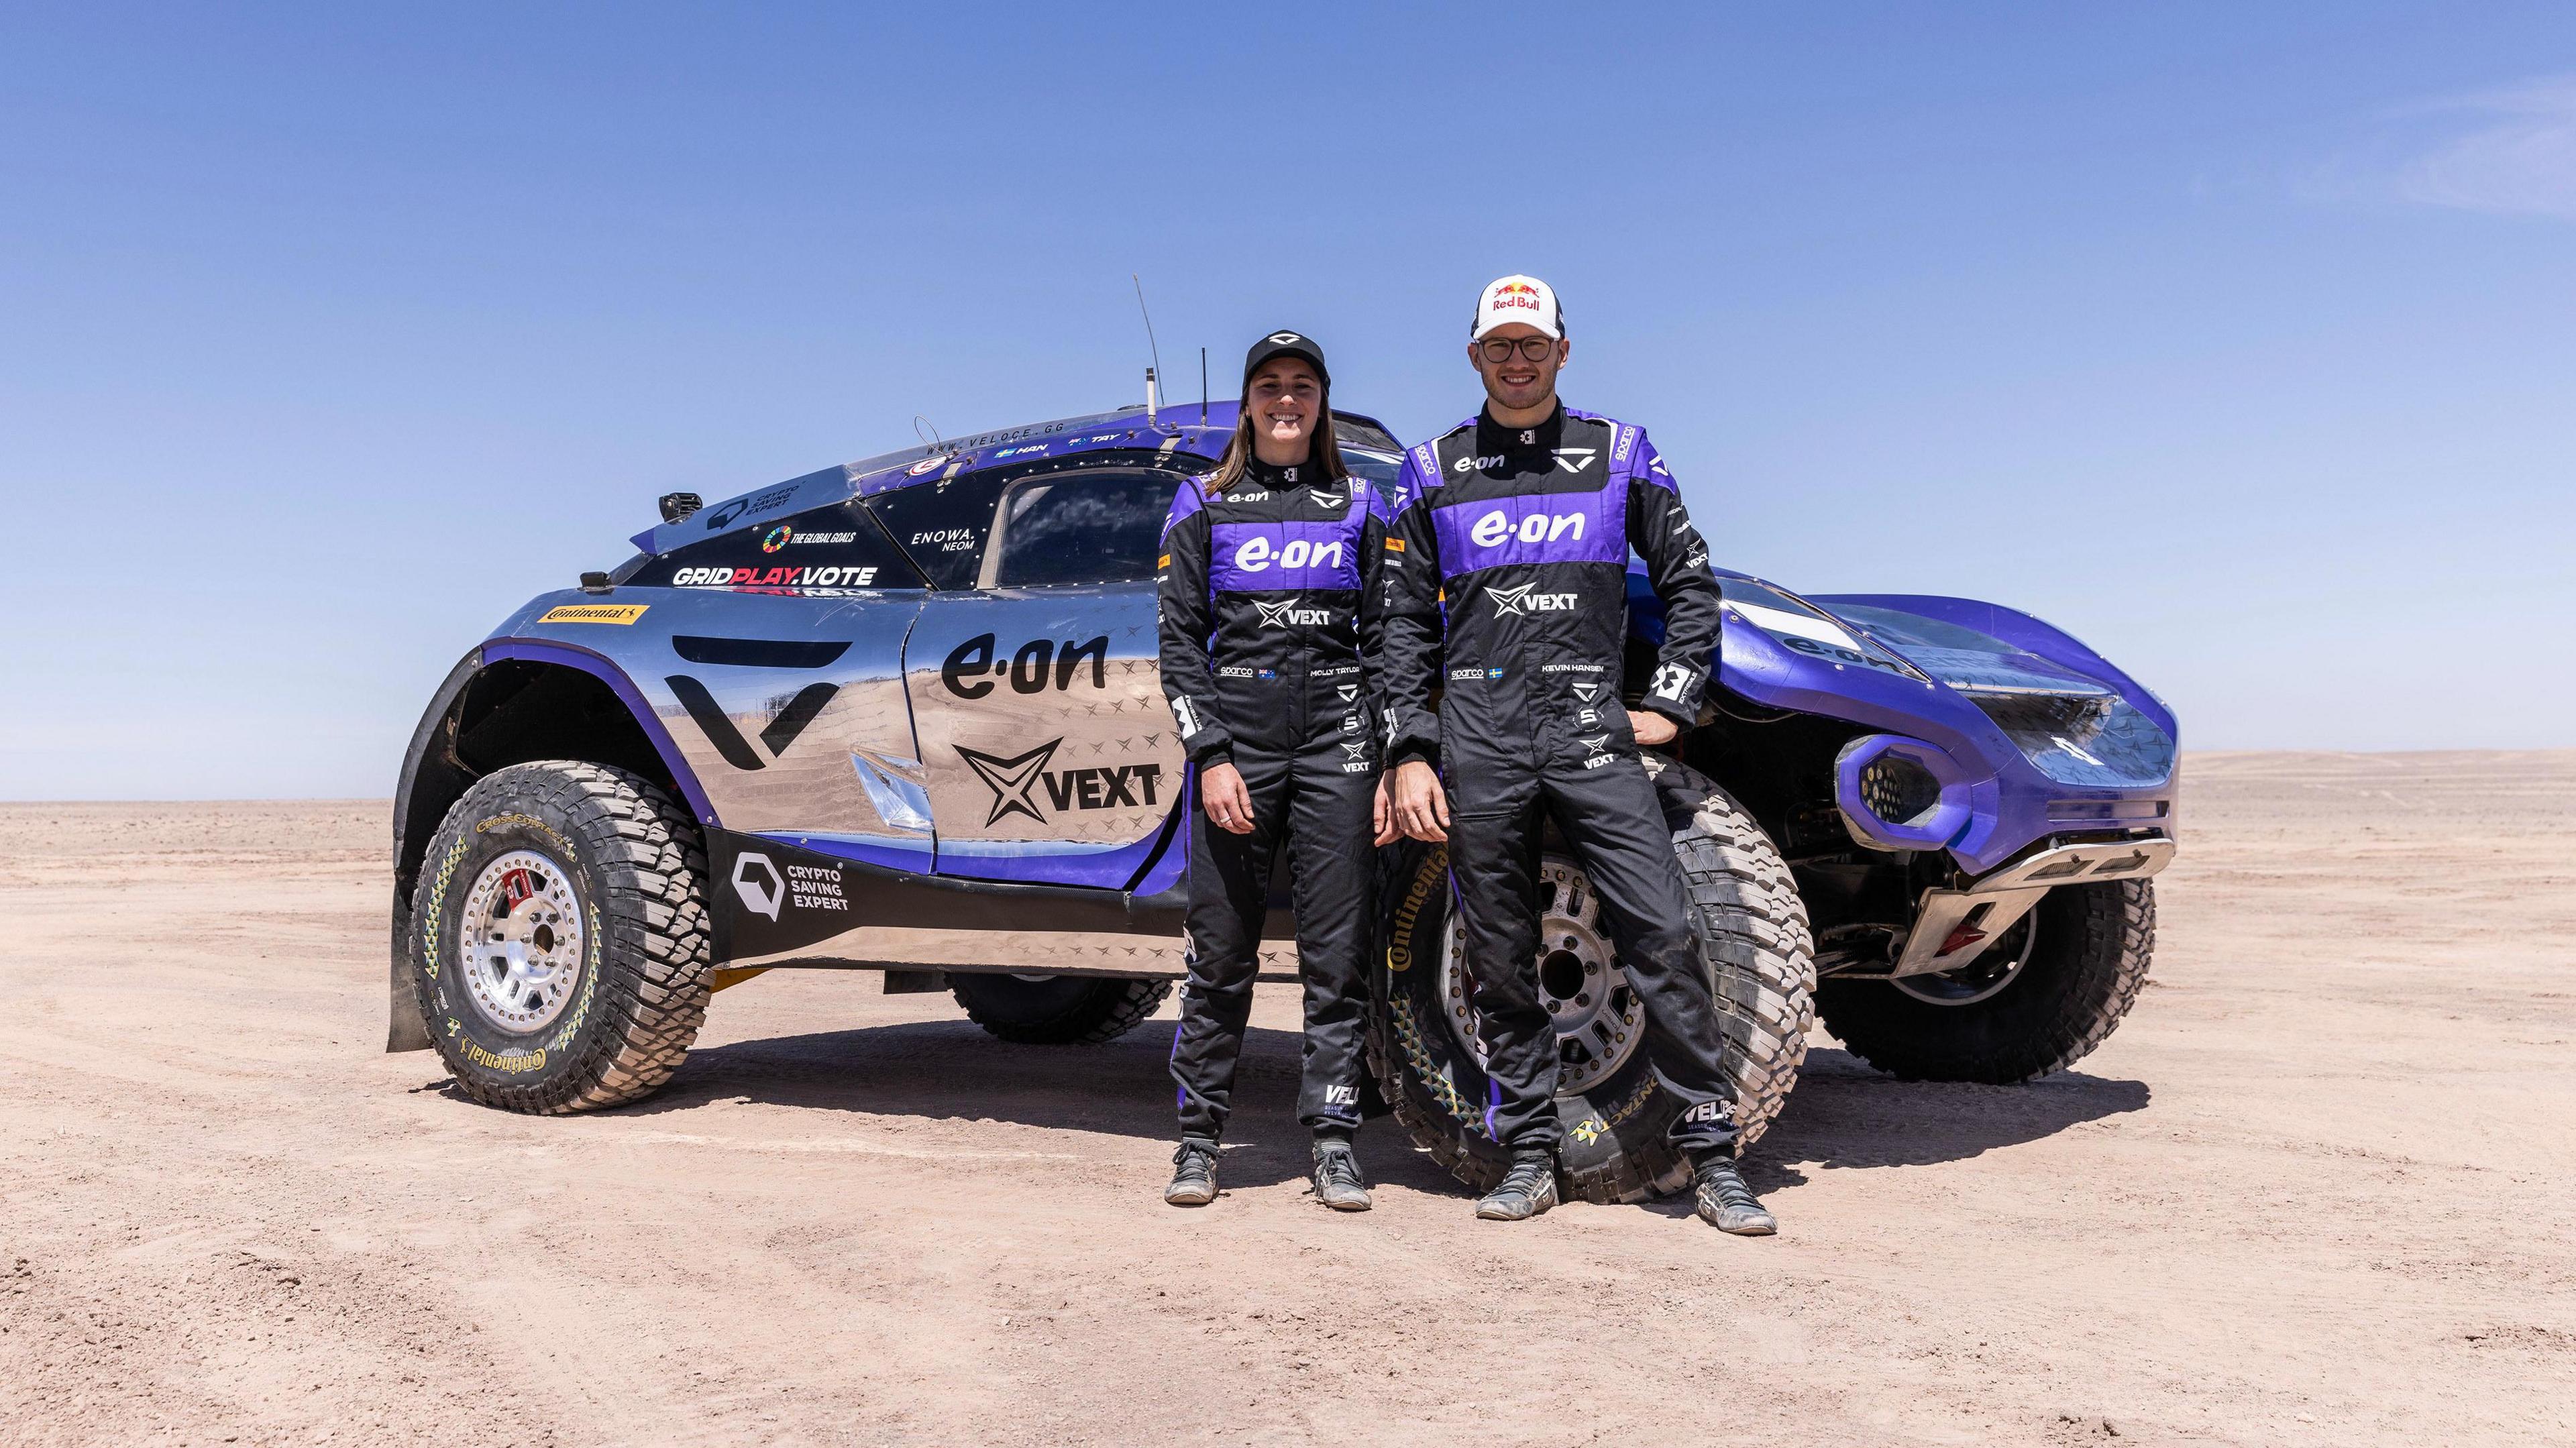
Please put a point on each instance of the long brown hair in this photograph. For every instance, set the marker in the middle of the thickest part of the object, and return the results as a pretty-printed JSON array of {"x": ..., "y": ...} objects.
[{"x": 1323, "y": 451}]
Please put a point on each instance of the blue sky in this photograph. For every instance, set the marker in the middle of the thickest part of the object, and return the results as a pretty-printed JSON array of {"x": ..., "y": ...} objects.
[{"x": 2238, "y": 340}]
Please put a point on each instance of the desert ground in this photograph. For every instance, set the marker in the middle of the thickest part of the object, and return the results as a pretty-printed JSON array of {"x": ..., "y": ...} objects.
[{"x": 2316, "y": 1191}]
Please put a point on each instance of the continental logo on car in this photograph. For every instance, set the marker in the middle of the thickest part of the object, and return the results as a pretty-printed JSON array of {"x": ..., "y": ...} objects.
[{"x": 595, "y": 613}]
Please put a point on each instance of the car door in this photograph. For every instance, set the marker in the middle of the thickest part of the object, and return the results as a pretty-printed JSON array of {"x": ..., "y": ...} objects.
[
  {"x": 775, "y": 661},
  {"x": 1047, "y": 748}
]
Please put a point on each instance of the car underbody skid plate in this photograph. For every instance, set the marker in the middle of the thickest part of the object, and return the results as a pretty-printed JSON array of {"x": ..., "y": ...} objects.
[{"x": 1953, "y": 927}]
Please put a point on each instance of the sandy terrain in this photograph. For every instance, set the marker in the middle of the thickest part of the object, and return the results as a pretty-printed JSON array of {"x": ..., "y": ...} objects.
[{"x": 2316, "y": 1192}]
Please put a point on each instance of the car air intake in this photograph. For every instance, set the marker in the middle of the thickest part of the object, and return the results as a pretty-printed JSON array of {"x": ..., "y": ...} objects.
[{"x": 1898, "y": 789}]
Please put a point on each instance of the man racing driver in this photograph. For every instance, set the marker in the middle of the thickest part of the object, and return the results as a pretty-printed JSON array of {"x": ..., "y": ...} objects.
[{"x": 1506, "y": 580}]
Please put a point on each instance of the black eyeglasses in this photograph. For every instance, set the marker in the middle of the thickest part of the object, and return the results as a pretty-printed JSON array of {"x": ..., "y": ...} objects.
[{"x": 1532, "y": 349}]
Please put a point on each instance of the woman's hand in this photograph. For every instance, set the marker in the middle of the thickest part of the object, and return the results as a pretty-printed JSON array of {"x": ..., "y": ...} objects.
[
  {"x": 1420, "y": 809},
  {"x": 1229, "y": 804},
  {"x": 1382, "y": 815}
]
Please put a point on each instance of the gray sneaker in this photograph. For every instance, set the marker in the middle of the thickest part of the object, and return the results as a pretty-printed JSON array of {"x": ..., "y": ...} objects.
[
  {"x": 1338, "y": 1183},
  {"x": 1723, "y": 1201},
  {"x": 1528, "y": 1189},
  {"x": 1193, "y": 1174}
]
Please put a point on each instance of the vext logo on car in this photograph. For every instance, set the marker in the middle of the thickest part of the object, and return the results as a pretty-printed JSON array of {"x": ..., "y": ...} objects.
[
  {"x": 1026, "y": 667},
  {"x": 1015, "y": 780},
  {"x": 1256, "y": 555}
]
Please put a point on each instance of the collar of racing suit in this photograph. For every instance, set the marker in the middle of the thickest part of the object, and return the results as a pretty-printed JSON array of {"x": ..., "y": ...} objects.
[
  {"x": 1493, "y": 437},
  {"x": 1307, "y": 474}
]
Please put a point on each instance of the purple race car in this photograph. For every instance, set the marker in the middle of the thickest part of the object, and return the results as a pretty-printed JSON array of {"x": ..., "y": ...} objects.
[{"x": 905, "y": 715}]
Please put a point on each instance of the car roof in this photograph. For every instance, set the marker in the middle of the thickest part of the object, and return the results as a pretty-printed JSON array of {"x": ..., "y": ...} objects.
[{"x": 1185, "y": 428}]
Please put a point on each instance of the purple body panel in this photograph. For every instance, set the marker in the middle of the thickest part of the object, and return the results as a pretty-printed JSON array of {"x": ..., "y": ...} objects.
[
  {"x": 1278, "y": 557},
  {"x": 2023, "y": 632},
  {"x": 2009, "y": 801},
  {"x": 1585, "y": 527},
  {"x": 599, "y": 667},
  {"x": 1105, "y": 867},
  {"x": 912, "y": 859}
]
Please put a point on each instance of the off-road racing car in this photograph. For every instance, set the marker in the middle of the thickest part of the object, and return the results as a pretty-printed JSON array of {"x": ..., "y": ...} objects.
[{"x": 904, "y": 715}]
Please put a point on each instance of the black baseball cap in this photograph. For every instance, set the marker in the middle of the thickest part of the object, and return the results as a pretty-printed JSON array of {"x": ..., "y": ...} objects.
[{"x": 1290, "y": 344}]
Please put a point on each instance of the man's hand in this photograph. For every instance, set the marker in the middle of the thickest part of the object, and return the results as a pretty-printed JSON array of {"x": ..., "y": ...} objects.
[
  {"x": 1421, "y": 810},
  {"x": 1653, "y": 728},
  {"x": 1229, "y": 804}
]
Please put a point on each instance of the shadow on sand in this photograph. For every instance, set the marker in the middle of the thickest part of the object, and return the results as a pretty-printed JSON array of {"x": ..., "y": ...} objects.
[{"x": 1842, "y": 1115}]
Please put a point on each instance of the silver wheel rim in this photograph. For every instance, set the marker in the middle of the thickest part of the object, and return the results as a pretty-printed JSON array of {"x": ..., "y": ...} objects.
[
  {"x": 521, "y": 942},
  {"x": 1599, "y": 1020},
  {"x": 1984, "y": 977}
]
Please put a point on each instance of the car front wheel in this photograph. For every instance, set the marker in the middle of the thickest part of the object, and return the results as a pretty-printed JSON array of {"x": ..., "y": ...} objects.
[{"x": 559, "y": 940}]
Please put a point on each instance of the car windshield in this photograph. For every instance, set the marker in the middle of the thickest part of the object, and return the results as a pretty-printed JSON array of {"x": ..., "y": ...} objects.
[{"x": 1379, "y": 468}]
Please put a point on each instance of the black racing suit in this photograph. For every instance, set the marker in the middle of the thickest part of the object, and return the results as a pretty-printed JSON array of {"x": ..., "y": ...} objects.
[
  {"x": 1267, "y": 657},
  {"x": 1506, "y": 581}
]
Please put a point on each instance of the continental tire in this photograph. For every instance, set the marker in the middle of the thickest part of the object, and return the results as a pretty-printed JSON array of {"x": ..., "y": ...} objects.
[
  {"x": 1057, "y": 1010},
  {"x": 559, "y": 938},
  {"x": 2085, "y": 963},
  {"x": 1752, "y": 929}
]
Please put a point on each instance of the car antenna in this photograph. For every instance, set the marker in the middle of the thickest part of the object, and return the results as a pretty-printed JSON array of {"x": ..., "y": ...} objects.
[
  {"x": 1202, "y": 387},
  {"x": 1151, "y": 418}
]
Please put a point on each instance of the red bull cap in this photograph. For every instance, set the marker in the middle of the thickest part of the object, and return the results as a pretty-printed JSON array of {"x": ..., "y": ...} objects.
[{"x": 1525, "y": 300}]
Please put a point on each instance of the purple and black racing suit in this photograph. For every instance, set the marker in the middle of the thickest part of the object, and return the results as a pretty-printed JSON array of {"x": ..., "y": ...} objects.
[
  {"x": 1267, "y": 661},
  {"x": 1506, "y": 581}
]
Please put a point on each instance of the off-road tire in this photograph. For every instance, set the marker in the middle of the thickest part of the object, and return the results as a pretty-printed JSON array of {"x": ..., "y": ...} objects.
[
  {"x": 1060, "y": 1010},
  {"x": 637, "y": 869},
  {"x": 1752, "y": 927},
  {"x": 2085, "y": 971}
]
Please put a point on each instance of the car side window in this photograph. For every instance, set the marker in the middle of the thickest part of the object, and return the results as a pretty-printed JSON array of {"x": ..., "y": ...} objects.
[
  {"x": 942, "y": 525},
  {"x": 1100, "y": 526}
]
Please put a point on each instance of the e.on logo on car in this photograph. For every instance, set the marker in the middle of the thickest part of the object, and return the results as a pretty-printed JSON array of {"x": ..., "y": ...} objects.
[
  {"x": 1497, "y": 527},
  {"x": 1256, "y": 555}
]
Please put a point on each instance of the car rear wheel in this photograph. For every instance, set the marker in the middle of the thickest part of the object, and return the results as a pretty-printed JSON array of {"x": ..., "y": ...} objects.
[
  {"x": 1057, "y": 1010},
  {"x": 559, "y": 942},
  {"x": 1752, "y": 929},
  {"x": 2038, "y": 1000}
]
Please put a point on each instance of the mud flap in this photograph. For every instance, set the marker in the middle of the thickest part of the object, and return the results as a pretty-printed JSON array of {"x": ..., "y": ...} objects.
[{"x": 404, "y": 1028}]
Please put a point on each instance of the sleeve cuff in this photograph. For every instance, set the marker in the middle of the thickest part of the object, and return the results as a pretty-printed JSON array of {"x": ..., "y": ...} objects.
[{"x": 1674, "y": 712}]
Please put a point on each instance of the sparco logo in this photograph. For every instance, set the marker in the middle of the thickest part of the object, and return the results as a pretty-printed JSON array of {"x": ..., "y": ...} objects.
[
  {"x": 1016, "y": 780},
  {"x": 1497, "y": 527},
  {"x": 1520, "y": 600},
  {"x": 1285, "y": 613},
  {"x": 1026, "y": 667}
]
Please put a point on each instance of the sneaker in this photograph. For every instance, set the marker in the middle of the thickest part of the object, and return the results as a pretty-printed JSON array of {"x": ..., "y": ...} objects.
[
  {"x": 1338, "y": 1183},
  {"x": 1722, "y": 1200},
  {"x": 1193, "y": 1174},
  {"x": 1528, "y": 1189}
]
